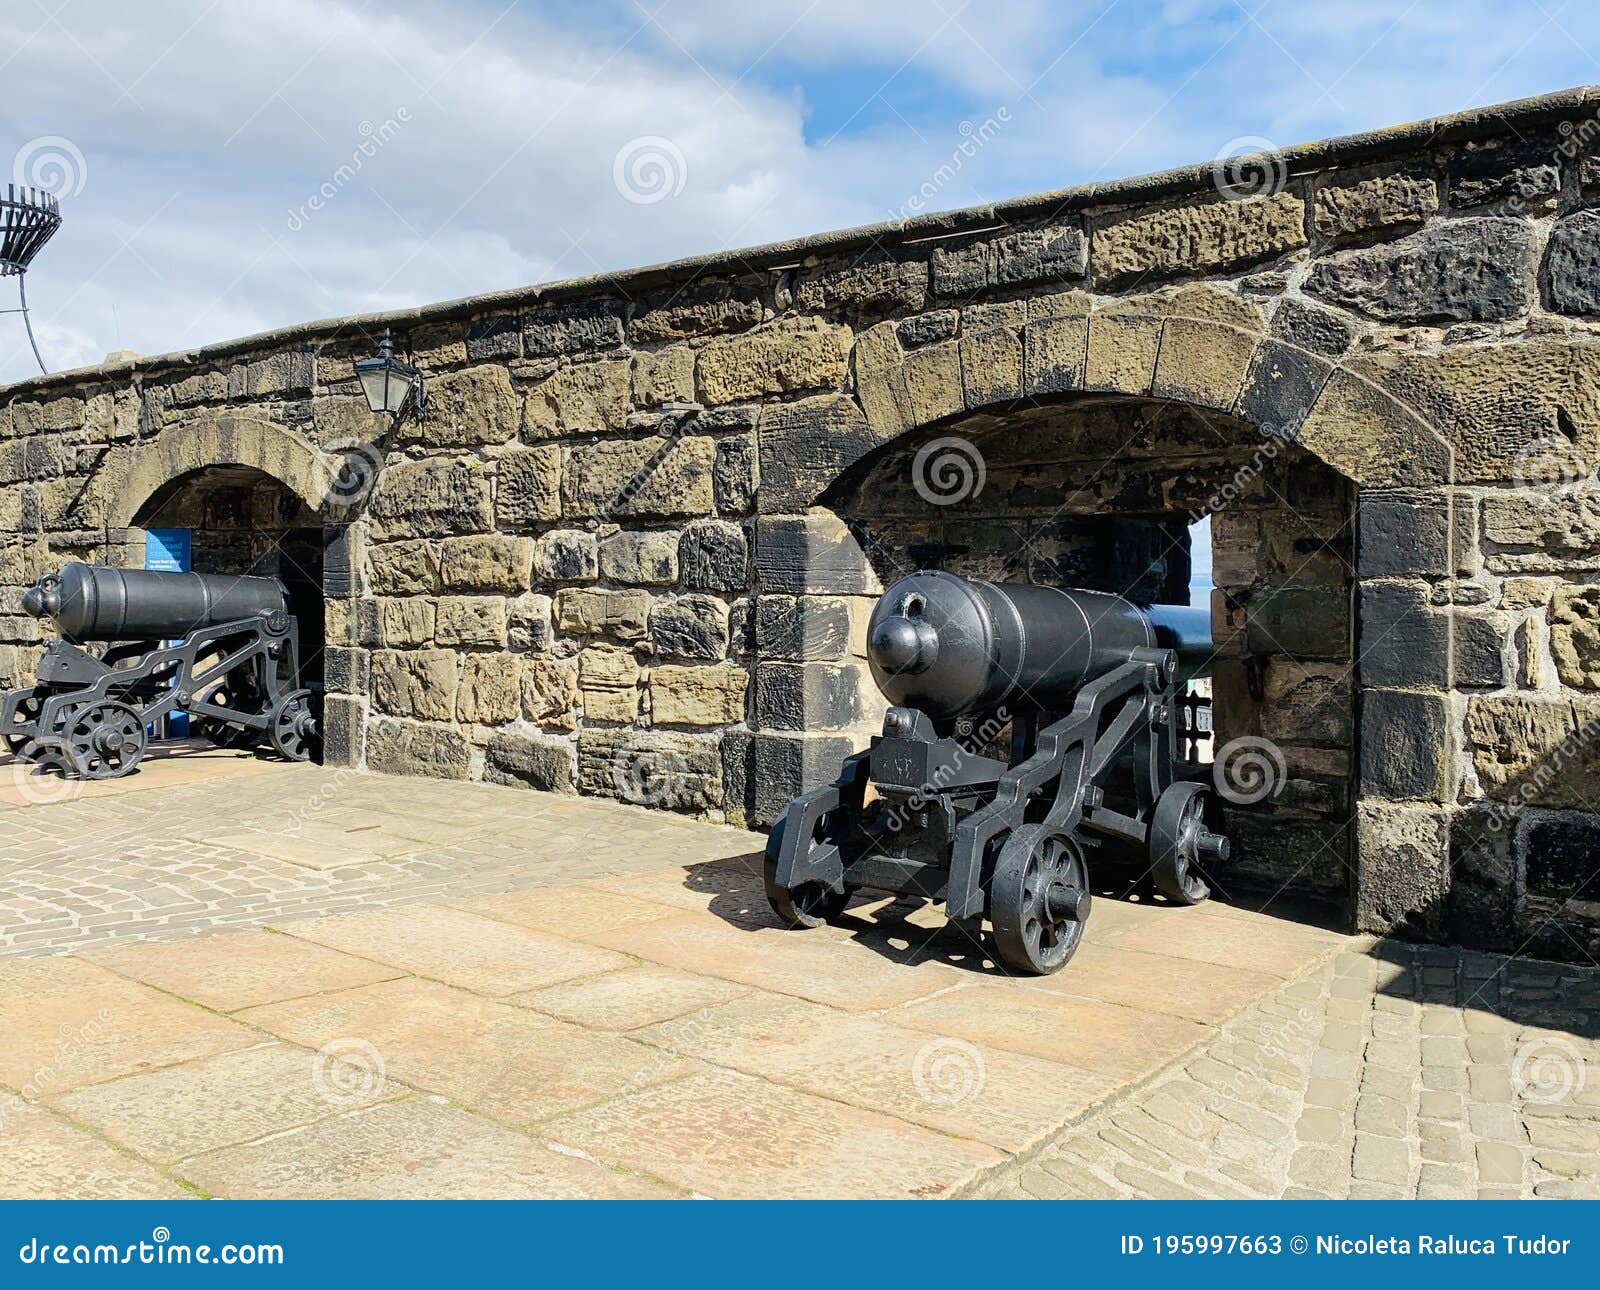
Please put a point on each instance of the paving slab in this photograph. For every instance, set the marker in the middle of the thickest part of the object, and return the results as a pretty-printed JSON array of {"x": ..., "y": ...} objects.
[
  {"x": 633, "y": 997},
  {"x": 46, "y": 1158}
]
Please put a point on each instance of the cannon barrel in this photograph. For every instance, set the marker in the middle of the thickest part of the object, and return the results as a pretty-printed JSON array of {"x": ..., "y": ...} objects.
[
  {"x": 949, "y": 645},
  {"x": 92, "y": 602}
]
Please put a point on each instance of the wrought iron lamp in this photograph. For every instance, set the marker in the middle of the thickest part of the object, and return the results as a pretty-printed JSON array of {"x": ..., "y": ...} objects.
[
  {"x": 390, "y": 385},
  {"x": 28, "y": 219}
]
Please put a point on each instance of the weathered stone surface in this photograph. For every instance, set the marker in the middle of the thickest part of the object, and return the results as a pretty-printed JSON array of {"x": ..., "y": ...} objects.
[
  {"x": 520, "y": 761},
  {"x": 549, "y": 689},
  {"x": 734, "y": 475},
  {"x": 486, "y": 563},
  {"x": 494, "y": 336},
  {"x": 1403, "y": 868},
  {"x": 1122, "y": 353},
  {"x": 1572, "y": 265},
  {"x": 467, "y": 408},
  {"x": 1197, "y": 239},
  {"x": 430, "y": 498},
  {"x": 1281, "y": 387},
  {"x": 489, "y": 692},
  {"x": 808, "y": 696},
  {"x": 692, "y": 626},
  {"x": 1405, "y": 642},
  {"x": 1409, "y": 534},
  {"x": 471, "y": 621},
  {"x": 415, "y": 683},
  {"x": 787, "y": 357},
  {"x": 700, "y": 308},
  {"x": 1523, "y": 173},
  {"x": 528, "y": 487},
  {"x": 1202, "y": 362},
  {"x": 609, "y": 681},
  {"x": 805, "y": 446},
  {"x": 555, "y": 330},
  {"x": 1537, "y": 751},
  {"x": 1474, "y": 270},
  {"x": 1056, "y": 254},
  {"x": 928, "y": 328},
  {"x": 1558, "y": 856},
  {"x": 1340, "y": 208},
  {"x": 645, "y": 559},
  {"x": 1304, "y": 622},
  {"x": 567, "y": 555},
  {"x": 528, "y": 623},
  {"x": 1372, "y": 438},
  {"x": 403, "y": 569},
  {"x": 662, "y": 476},
  {"x": 991, "y": 367},
  {"x": 289, "y": 373},
  {"x": 674, "y": 771},
  {"x": 665, "y": 376},
  {"x": 406, "y": 621},
  {"x": 579, "y": 398},
  {"x": 713, "y": 556},
  {"x": 1054, "y": 352},
  {"x": 1575, "y": 635},
  {"x": 810, "y": 553},
  {"x": 877, "y": 284},
  {"x": 809, "y": 627},
  {"x": 1405, "y": 742},
  {"x": 401, "y": 748},
  {"x": 697, "y": 696},
  {"x": 587, "y": 612},
  {"x": 1310, "y": 327},
  {"x": 763, "y": 773},
  {"x": 932, "y": 380},
  {"x": 1541, "y": 531}
]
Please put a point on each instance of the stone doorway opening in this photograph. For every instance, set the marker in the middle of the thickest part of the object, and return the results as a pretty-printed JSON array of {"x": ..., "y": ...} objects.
[
  {"x": 1116, "y": 494},
  {"x": 242, "y": 521}
]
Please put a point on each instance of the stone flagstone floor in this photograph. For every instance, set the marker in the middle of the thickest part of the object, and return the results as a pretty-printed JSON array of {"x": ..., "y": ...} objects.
[{"x": 230, "y": 978}]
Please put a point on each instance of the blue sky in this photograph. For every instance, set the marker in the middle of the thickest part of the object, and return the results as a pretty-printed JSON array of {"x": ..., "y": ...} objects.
[{"x": 228, "y": 167}]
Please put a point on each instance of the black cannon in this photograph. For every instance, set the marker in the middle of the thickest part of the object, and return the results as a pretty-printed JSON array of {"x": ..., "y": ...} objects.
[
  {"x": 1028, "y": 727},
  {"x": 220, "y": 648}
]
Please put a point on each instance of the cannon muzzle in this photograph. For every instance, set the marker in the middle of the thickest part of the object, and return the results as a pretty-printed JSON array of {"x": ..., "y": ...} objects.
[
  {"x": 949, "y": 645},
  {"x": 91, "y": 602}
]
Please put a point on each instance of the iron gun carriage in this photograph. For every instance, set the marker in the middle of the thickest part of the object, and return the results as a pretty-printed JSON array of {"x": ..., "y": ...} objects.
[
  {"x": 1027, "y": 727},
  {"x": 222, "y": 649}
]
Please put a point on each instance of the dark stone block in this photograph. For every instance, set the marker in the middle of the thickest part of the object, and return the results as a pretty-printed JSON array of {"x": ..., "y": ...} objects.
[
  {"x": 529, "y": 763},
  {"x": 346, "y": 671},
  {"x": 1302, "y": 622},
  {"x": 1402, "y": 534},
  {"x": 1281, "y": 387},
  {"x": 928, "y": 328},
  {"x": 338, "y": 568},
  {"x": 1402, "y": 641},
  {"x": 567, "y": 329},
  {"x": 1467, "y": 270},
  {"x": 1480, "y": 658},
  {"x": 342, "y": 731},
  {"x": 689, "y": 627},
  {"x": 1519, "y": 171},
  {"x": 763, "y": 773},
  {"x": 1404, "y": 737},
  {"x": 1055, "y": 254},
  {"x": 713, "y": 556},
  {"x": 807, "y": 628},
  {"x": 809, "y": 554},
  {"x": 1560, "y": 854},
  {"x": 497, "y": 336},
  {"x": 733, "y": 476},
  {"x": 1482, "y": 901},
  {"x": 805, "y": 446},
  {"x": 806, "y": 696},
  {"x": 1306, "y": 326},
  {"x": 1572, "y": 265}
]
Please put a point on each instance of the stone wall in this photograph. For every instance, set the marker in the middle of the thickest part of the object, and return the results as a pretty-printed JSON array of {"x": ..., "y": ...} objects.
[{"x": 606, "y": 560}]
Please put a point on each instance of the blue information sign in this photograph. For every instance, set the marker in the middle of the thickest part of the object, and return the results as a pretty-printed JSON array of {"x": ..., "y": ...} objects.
[{"x": 167, "y": 550}]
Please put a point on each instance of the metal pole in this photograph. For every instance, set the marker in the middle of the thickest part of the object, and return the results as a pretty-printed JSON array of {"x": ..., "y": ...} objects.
[{"x": 22, "y": 294}]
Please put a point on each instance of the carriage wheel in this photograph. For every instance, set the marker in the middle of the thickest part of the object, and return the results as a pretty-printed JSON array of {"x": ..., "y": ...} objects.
[
  {"x": 1038, "y": 900},
  {"x": 1183, "y": 836},
  {"x": 808, "y": 905},
  {"x": 104, "y": 739},
  {"x": 218, "y": 730},
  {"x": 293, "y": 726},
  {"x": 27, "y": 714}
]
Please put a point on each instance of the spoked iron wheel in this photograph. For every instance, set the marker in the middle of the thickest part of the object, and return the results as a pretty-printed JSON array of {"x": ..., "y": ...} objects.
[
  {"x": 293, "y": 727},
  {"x": 808, "y": 905},
  {"x": 1038, "y": 900},
  {"x": 219, "y": 731},
  {"x": 27, "y": 714},
  {"x": 1184, "y": 837},
  {"x": 104, "y": 739}
]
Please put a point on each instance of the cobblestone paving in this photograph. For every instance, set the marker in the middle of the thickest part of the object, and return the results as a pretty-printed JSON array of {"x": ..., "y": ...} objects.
[
  {"x": 1396, "y": 1072},
  {"x": 297, "y": 841}
]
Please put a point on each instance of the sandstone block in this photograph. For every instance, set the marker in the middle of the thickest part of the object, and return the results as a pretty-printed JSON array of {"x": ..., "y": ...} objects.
[
  {"x": 486, "y": 563},
  {"x": 401, "y": 748},
  {"x": 403, "y": 569},
  {"x": 1202, "y": 362},
  {"x": 872, "y": 284},
  {"x": 467, "y": 408},
  {"x": 1054, "y": 352},
  {"x": 787, "y": 357},
  {"x": 991, "y": 366},
  {"x": 665, "y": 769},
  {"x": 808, "y": 696},
  {"x": 489, "y": 691},
  {"x": 1535, "y": 751},
  {"x": 933, "y": 384},
  {"x": 415, "y": 683},
  {"x": 1197, "y": 238},
  {"x": 528, "y": 487},
  {"x": 1405, "y": 745},
  {"x": 810, "y": 553},
  {"x": 471, "y": 621},
  {"x": 1575, "y": 635},
  {"x": 519, "y": 761},
  {"x": 1340, "y": 209},
  {"x": 763, "y": 773},
  {"x": 494, "y": 336},
  {"x": 658, "y": 477},
  {"x": 567, "y": 555},
  {"x": 702, "y": 308},
  {"x": 590, "y": 612},
  {"x": 549, "y": 689},
  {"x": 734, "y": 475},
  {"x": 665, "y": 376},
  {"x": 810, "y": 627},
  {"x": 1402, "y": 874},
  {"x": 1310, "y": 327},
  {"x": 578, "y": 398},
  {"x": 1055, "y": 254},
  {"x": 683, "y": 695},
  {"x": 1572, "y": 265},
  {"x": 647, "y": 559},
  {"x": 406, "y": 621},
  {"x": 1121, "y": 354},
  {"x": 609, "y": 681},
  {"x": 430, "y": 498},
  {"x": 692, "y": 626}
]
